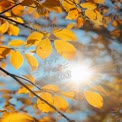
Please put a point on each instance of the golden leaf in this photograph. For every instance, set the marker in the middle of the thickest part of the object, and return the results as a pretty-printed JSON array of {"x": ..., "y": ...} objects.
[
  {"x": 60, "y": 103},
  {"x": 30, "y": 78},
  {"x": 16, "y": 43},
  {"x": 4, "y": 51},
  {"x": 4, "y": 27},
  {"x": 99, "y": 1},
  {"x": 68, "y": 94},
  {"x": 65, "y": 34},
  {"x": 51, "y": 88},
  {"x": 23, "y": 90},
  {"x": 18, "y": 10},
  {"x": 88, "y": 5},
  {"x": 94, "y": 98},
  {"x": 65, "y": 49},
  {"x": 70, "y": 26},
  {"x": 44, "y": 49},
  {"x": 32, "y": 61},
  {"x": 80, "y": 22},
  {"x": 16, "y": 117},
  {"x": 34, "y": 38},
  {"x": 73, "y": 14},
  {"x": 16, "y": 59},
  {"x": 43, "y": 106},
  {"x": 47, "y": 119},
  {"x": 91, "y": 14},
  {"x": 13, "y": 30}
]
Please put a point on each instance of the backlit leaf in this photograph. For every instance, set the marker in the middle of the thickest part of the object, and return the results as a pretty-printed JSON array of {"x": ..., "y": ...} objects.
[
  {"x": 16, "y": 43},
  {"x": 51, "y": 87},
  {"x": 47, "y": 119},
  {"x": 32, "y": 61},
  {"x": 34, "y": 38},
  {"x": 43, "y": 106},
  {"x": 94, "y": 98},
  {"x": 91, "y": 14},
  {"x": 70, "y": 26},
  {"x": 80, "y": 22},
  {"x": 4, "y": 27},
  {"x": 99, "y": 1},
  {"x": 68, "y": 94},
  {"x": 18, "y": 10},
  {"x": 44, "y": 49},
  {"x": 65, "y": 49},
  {"x": 60, "y": 103},
  {"x": 13, "y": 30},
  {"x": 88, "y": 5},
  {"x": 16, "y": 117},
  {"x": 16, "y": 59},
  {"x": 65, "y": 34},
  {"x": 23, "y": 90},
  {"x": 30, "y": 77},
  {"x": 4, "y": 51}
]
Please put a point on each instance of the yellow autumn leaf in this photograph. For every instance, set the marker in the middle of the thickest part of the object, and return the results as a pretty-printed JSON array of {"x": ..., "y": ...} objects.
[
  {"x": 4, "y": 27},
  {"x": 70, "y": 26},
  {"x": 4, "y": 51},
  {"x": 88, "y": 5},
  {"x": 30, "y": 77},
  {"x": 94, "y": 98},
  {"x": 51, "y": 88},
  {"x": 68, "y": 94},
  {"x": 23, "y": 90},
  {"x": 99, "y": 1},
  {"x": 65, "y": 49},
  {"x": 16, "y": 59},
  {"x": 18, "y": 10},
  {"x": 73, "y": 14},
  {"x": 65, "y": 34},
  {"x": 91, "y": 14},
  {"x": 16, "y": 43},
  {"x": 44, "y": 49},
  {"x": 60, "y": 103},
  {"x": 32, "y": 61},
  {"x": 16, "y": 117},
  {"x": 13, "y": 30},
  {"x": 43, "y": 106},
  {"x": 47, "y": 119},
  {"x": 67, "y": 4},
  {"x": 80, "y": 22},
  {"x": 34, "y": 38}
]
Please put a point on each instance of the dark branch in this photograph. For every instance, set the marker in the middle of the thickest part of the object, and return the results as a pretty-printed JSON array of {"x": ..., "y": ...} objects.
[{"x": 15, "y": 78}]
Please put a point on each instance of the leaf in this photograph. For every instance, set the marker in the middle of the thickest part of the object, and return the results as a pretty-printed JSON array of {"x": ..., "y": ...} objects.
[
  {"x": 30, "y": 78},
  {"x": 65, "y": 34},
  {"x": 68, "y": 94},
  {"x": 73, "y": 14},
  {"x": 99, "y": 1},
  {"x": 65, "y": 49},
  {"x": 18, "y": 10},
  {"x": 44, "y": 49},
  {"x": 16, "y": 59},
  {"x": 91, "y": 14},
  {"x": 13, "y": 30},
  {"x": 4, "y": 27},
  {"x": 16, "y": 117},
  {"x": 94, "y": 98},
  {"x": 23, "y": 90},
  {"x": 32, "y": 61},
  {"x": 16, "y": 43},
  {"x": 88, "y": 5},
  {"x": 26, "y": 2},
  {"x": 80, "y": 22},
  {"x": 60, "y": 103},
  {"x": 47, "y": 119},
  {"x": 4, "y": 51},
  {"x": 34, "y": 38},
  {"x": 70, "y": 26},
  {"x": 43, "y": 106},
  {"x": 51, "y": 88}
]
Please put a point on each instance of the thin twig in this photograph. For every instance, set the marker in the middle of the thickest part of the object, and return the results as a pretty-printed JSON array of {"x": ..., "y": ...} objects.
[
  {"x": 22, "y": 24},
  {"x": 12, "y": 76}
]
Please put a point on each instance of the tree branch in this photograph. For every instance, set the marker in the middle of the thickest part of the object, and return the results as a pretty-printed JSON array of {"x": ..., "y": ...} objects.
[
  {"x": 26, "y": 26},
  {"x": 15, "y": 78}
]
